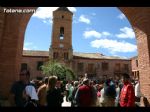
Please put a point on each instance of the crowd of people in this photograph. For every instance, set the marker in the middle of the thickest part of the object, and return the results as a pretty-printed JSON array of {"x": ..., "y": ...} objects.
[{"x": 50, "y": 92}]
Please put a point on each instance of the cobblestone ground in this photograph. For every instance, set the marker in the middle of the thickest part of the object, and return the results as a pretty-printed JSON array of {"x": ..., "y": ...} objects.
[{"x": 65, "y": 103}]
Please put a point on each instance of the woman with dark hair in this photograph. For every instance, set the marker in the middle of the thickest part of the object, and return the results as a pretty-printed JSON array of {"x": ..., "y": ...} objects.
[{"x": 109, "y": 93}]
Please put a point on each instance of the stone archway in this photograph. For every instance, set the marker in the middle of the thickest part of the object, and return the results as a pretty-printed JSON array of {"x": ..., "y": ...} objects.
[{"x": 12, "y": 29}]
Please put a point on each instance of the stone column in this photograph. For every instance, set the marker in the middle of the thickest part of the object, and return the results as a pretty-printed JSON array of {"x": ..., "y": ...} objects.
[{"x": 11, "y": 46}]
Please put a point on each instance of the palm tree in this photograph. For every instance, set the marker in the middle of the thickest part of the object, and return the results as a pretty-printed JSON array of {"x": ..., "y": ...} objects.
[{"x": 54, "y": 68}]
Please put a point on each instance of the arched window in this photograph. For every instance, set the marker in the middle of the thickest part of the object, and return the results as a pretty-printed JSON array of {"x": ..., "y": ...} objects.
[
  {"x": 66, "y": 56},
  {"x": 61, "y": 33},
  {"x": 55, "y": 55}
]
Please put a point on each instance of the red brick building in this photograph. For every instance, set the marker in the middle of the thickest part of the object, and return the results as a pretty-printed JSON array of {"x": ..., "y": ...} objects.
[
  {"x": 12, "y": 30},
  {"x": 135, "y": 68},
  {"x": 96, "y": 65}
]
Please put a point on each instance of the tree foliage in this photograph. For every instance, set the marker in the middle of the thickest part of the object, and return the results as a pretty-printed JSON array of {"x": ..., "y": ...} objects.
[{"x": 53, "y": 68}]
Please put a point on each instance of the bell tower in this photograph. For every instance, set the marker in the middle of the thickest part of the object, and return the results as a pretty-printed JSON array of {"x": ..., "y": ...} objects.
[{"x": 61, "y": 43}]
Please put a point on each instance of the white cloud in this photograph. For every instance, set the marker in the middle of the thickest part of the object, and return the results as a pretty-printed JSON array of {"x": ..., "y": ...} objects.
[
  {"x": 84, "y": 19},
  {"x": 25, "y": 48},
  {"x": 121, "y": 16},
  {"x": 45, "y": 13},
  {"x": 114, "y": 45},
  {"x": 73, "y": 9},
  {"x": 29, "y": 46},
  {"x": 106, "y": 33},
  {"x": 92, "y": 33},
  {"x": 126, "y": 33}
]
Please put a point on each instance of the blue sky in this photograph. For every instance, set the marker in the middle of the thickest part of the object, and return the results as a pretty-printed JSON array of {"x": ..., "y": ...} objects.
[{"x": 103, "y": 30}]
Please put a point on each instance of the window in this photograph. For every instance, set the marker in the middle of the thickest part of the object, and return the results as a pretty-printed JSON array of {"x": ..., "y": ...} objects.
[
  {"x": 98, "y": 65},
  {"x": 117, "y": 67},
  {"x": 62, "y": 16},
  {"x": 39, "y": 64},
  {"x": 138, "y": 75},
  {"x": 23, "y": 66},
  {"x": 136, "y": 63},
  {"x": 65, "y": 55},
  {"x": 61, "y": 33},
  {"x": 126, "y": 67},
  {"x": 55, "y": 55},
  {"x": 80, "y": 67},
  {"x": 91, "y": 67},
  {"x": 104, "y": 66}
]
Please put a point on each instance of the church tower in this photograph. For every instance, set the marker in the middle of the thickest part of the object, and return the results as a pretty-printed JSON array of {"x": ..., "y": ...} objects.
[{"x": 61, "y": 43}]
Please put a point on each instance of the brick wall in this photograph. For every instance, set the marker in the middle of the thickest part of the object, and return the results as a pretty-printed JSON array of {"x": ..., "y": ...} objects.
[
  {"x": 98, "y": 66},
  {"x": 32, "y": 62}
]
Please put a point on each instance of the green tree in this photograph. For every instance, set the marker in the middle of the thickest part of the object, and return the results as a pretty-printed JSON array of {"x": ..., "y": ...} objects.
[{"x": 51, "y": 68}]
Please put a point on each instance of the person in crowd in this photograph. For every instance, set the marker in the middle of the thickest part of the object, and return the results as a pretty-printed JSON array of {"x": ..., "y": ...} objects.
[
  {"x": 18, "y": 88},
  {"x": 60, "y": 88},
  {"x": 36, "y": 83},
  {"x": 137, "y": 93},
  {"x": 30, "y": 96},
  {"x": 94, "y": 92},
  {"x": 42, "y": 92},
  {"x": 117, "y": 94},
  {"x": 120, "y": 84},
  {"x": 70, "y": 92},
  {"x": 73, "y": 102},
  {"x": 102, "y": 98},
  {"x": 53, "y": 97},
  {"x": 109, "y": 93},
  {"x": 68, "y": 85},
  {"x": 83, "y": 95},
  {"x": 127, "y": 96},
  {"x": 99, "y": 87}
]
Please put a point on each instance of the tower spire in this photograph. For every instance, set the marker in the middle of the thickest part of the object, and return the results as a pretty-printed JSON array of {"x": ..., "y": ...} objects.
[{"x": 63, "y": 9}]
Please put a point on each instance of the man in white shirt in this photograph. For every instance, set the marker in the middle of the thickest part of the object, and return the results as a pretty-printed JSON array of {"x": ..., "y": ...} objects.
[
  {"x": 137, "y": 93},
  {"x": 68, "y": 85}
]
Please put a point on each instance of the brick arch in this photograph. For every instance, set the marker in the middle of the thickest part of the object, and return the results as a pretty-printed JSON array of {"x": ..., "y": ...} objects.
[
  {"x": 12, "y": 29},
  {"x": 139, "y": 18}
]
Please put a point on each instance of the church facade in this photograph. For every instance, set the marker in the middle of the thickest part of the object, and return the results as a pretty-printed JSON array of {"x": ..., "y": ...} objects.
[{"x": 96, "y": 65}]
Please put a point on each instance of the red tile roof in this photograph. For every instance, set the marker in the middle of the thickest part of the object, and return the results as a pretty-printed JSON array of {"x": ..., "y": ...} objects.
[{"x": 75, "y": 54}]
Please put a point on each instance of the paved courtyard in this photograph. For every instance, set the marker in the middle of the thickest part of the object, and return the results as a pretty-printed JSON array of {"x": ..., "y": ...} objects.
[{"x": 65, "y": 103}]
